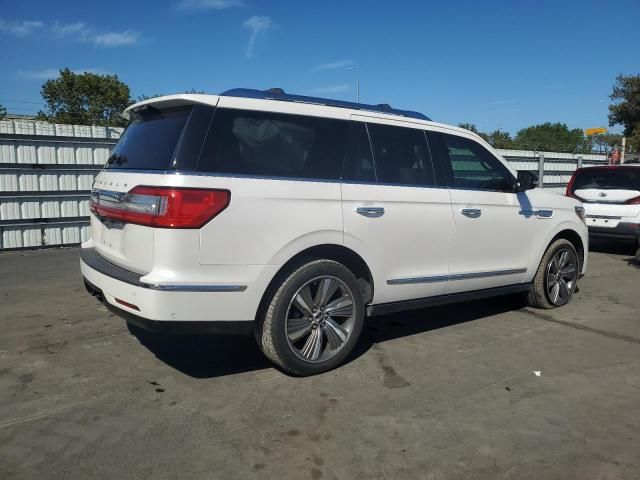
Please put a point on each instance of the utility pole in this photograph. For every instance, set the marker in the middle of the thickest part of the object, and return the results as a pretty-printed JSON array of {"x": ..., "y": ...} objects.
[{"x": 624, "y": 145}]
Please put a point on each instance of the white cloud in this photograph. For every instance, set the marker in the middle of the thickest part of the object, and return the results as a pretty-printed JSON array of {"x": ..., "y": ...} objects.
[
  {"x": 329, "y": 89},
  {"x": 257, "y": 26},
  {"x": 78, "y": 31},
  {"x": 64, "y": 29},
  {"x": 21, "y": 28},
  {"x": 195, "y": 5},
  {"x": 114, "y": 39},
  {"x": 333, "y": 65},
  {"x": 49, "y": 73}
]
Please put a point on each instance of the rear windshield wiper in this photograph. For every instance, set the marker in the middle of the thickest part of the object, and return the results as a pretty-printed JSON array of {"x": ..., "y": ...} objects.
[{"x": 116, "y": 159}]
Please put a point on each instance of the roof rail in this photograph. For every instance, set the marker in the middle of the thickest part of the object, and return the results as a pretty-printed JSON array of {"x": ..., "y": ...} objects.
[{"x": 279, "y": 94}]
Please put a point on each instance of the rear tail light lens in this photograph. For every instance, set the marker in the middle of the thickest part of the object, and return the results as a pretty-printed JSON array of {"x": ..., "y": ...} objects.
[
  {"x": 633, "y": 201},
  {"x": 569, "y": 192},
  {"x": 161, "y": 207}
]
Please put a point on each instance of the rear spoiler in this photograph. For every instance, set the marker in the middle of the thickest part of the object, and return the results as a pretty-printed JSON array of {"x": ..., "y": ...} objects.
[{"x": 168, "y": 101}]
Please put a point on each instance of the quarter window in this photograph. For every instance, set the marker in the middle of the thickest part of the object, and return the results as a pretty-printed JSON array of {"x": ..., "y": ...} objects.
[
  {"x": 273, "y": 144},
  {"x": 401, "y": 155},
  {"x": 464, "y": 163}
]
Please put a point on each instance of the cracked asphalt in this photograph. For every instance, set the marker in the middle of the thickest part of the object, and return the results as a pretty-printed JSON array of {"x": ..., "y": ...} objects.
[{"x": 480, "y": 390}]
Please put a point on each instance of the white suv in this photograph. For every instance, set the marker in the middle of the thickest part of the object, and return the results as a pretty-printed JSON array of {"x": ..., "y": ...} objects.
[
  {"x": 611, "y": 196},
  {"x": 297, "y": 217}
]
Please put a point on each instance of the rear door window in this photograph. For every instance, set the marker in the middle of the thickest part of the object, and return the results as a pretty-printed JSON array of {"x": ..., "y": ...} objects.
[
  {"x": 149, "y": 142},
  {"x": 274, "y": 145},
  {"x": 614, "y": 178},
  {"x": 358, "y": 166},
  {"x": 401, "y": 155}
]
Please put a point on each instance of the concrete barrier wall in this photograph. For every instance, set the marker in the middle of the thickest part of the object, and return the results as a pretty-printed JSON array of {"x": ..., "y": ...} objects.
[{"x": 47, "y": 170}]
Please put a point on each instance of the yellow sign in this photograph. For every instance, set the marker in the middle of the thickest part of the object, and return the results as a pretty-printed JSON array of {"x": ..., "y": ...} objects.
[{"x": 595, "y": 131}]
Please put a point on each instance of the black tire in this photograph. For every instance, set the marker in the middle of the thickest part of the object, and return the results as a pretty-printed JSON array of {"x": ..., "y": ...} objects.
[
  {"x": 539, "y": 296},
  {"x": 272, "y": 331}
]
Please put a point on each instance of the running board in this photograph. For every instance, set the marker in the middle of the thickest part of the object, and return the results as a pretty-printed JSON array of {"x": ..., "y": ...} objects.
[{"x": 417, "y": 303}]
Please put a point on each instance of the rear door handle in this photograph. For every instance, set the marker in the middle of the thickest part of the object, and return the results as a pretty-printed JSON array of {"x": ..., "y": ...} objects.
[
  {"x": 371, "y": 212},
  {"x": 471, "y": 212}
]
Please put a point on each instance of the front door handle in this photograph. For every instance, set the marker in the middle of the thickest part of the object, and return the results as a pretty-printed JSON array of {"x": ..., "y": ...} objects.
[
  {"x": 371, "y": 212},
  {"x": 471, "y": 212}
]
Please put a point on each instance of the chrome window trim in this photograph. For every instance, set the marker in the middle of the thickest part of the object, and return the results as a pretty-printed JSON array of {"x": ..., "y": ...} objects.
[
  {"x": 455, "y": 276},
  {"x": 294, "y": 179}
]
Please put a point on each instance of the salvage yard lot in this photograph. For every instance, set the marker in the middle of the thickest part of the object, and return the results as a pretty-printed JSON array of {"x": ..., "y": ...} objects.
[{"x": 479, "y": 390}]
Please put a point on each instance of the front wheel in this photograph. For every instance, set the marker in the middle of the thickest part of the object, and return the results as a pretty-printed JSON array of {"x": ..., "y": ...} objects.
[
  {"x": 314, "y": 319},
  {"x": 557, "y": 276}
]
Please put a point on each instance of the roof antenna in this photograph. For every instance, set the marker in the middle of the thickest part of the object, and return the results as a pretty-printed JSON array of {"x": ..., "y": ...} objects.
[{"x": 276, "y": 91}]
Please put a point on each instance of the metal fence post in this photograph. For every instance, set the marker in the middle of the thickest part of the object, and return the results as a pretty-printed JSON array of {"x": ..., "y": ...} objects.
[
  {"x": 579, "y": 161},
  {"x": 541, "y": 170}
]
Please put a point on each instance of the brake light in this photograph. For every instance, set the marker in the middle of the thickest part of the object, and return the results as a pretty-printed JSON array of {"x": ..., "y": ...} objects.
[
  {"x": 569, "y": 192},
  {"x": 633, "y": 201},
  {"x": 160, "y": 207}
]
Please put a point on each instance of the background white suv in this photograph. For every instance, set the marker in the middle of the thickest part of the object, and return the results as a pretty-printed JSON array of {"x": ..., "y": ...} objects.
[
  {"x": 297, "y": 217},
  {"x": 611, "y": 197}
]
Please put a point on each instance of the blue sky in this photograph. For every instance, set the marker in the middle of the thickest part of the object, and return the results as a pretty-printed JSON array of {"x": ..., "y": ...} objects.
[{"x": 504, "y": 64}]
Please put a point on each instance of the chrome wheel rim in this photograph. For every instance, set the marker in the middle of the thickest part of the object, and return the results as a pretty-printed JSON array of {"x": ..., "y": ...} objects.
[
  {"x": 562, "y": 275},
  {"x": 320, "y": 319}
]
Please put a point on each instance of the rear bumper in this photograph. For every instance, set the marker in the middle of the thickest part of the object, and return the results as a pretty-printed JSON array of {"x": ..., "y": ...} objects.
[
  {"x": 169, "y": 308},
  {"x": 623, "y": 231},
  {"x": 175, "y": 327}
]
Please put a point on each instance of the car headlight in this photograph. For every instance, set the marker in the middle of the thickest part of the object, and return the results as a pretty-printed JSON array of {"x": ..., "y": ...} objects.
[{"x": 581, "y": 214}]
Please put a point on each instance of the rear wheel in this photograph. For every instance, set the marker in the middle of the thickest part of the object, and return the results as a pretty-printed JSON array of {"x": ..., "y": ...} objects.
[
  {"x": 314, "y": 319},
  {"x": 557, "y": 276}
]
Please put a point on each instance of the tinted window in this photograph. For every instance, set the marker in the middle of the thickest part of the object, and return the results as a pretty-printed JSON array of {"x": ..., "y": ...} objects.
[
  {"x": 615, "y": 178},
  {"x": 150, "y": 139},
  {"x": 358, "y": 165},
  {"x": 273, "y": 144},
  {"x": 464, "y": 163},
  {"x": 400, "y": 155}
]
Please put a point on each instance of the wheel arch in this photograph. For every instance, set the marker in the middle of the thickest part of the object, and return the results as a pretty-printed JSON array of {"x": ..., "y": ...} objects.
[{"x": 335, "y": 252}]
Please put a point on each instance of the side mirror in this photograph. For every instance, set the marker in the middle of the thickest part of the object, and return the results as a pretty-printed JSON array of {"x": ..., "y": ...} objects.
[{"x": 526, "y": 181}]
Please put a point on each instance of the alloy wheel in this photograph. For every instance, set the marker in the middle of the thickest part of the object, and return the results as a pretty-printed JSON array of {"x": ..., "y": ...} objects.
[
  {"x": 562, "y": 276},
  {"x": 320, "y": 319}
]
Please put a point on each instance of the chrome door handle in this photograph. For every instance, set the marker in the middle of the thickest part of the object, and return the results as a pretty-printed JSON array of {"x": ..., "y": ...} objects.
[
  {"x": 471, "y": 212},
  {"x": 371, "y": 212}
]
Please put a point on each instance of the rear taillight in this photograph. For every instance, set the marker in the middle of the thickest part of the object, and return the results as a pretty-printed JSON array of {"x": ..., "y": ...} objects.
[
  {"x": 160, "y": 207},
  {"x": 569, "y": 192},
  {"x": 633, "y": 201}
]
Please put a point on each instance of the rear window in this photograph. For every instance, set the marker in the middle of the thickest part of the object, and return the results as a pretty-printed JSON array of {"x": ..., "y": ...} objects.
[
  {"x": 615, "y": 178},
  {"x": 150, "y": 140},
  {"x": 274, "y": 145}
]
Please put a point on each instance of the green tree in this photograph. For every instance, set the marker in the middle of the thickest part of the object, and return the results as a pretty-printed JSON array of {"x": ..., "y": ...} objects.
[
  {"x": 472, "y": 128},
  {"x": 3, "y": 112},
  {"x": 85, "y": 99},
  {"x": 625, "y": 109},
  {"x": 500, "y": 139},
  {"x": 554, "y": 137},
  {"x": 469, "y": 126}
]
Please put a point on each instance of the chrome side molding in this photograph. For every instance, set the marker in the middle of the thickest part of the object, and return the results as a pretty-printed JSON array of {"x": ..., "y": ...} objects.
[
  {"x": 455, "y": 276},
  {"x": 543, "y": 213}
]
